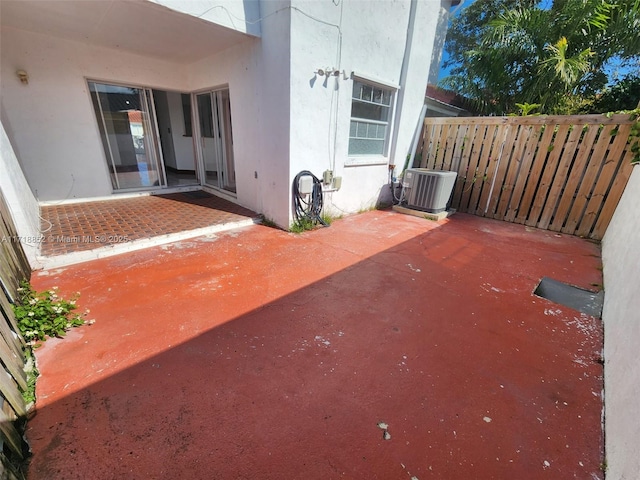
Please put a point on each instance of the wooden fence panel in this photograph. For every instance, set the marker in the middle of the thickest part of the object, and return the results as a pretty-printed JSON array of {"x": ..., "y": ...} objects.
[
  {"x": 562, "y": 173},
  {"x": 14, "y": 267},
  {"x": 610, "y": 163},
  {"x": 575, "y": 173},
  {"x": 441, "y": 144},
  {"x": 537, "y": 169},
  {"x": 494, "y": 161},
  {"x": 613, "y": 196},
  {"x": 517, "y": 149},
  {"x": 464, "y": 159},
  {"x": 524, "y": 172},
  {"x": 594, "y": 162},
  {"x": 469, "y": 175},
  {"x": 560, "y": 178},
  {"x": 549, "y": 173}
]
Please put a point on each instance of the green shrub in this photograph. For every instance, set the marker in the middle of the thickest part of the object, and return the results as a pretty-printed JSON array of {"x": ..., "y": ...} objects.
[
  {"x": 45, "y": 314},
  {"x": 302, "y": 225}
]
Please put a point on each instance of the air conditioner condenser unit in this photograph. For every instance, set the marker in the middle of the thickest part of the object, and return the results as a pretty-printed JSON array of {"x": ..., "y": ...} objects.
[{"x": 428, "y": 190}]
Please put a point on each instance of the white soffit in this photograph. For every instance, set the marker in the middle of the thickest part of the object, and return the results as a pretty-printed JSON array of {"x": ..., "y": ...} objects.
[{"x": 135, "y": 26}]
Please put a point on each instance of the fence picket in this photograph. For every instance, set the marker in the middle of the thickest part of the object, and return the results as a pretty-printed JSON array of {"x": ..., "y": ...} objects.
[
  {"x": 463, "y": 162},
  {"x": 495, "y": 167},
  {"x": 522, "y": 177},
  {"x": 549, "y": 173},
  {"x": 510, "y": 170},
  {"x": 452, "y": 146},
  {"x": 611, "y": 161},
  {"x": 537, "y": 166},
  {"x": 442, "y": 147},
  {"x": 431, "y": 146},
  {"x": 591, "y": 169},
  {"x": 574, "y": 176},
  {"x": 613, "y": 196},
  {"x": 560, "y": 178},
  {"x": 481, "y": 166},
  {"x": 13, "y": 268},
  {"x": 470, "y": 174}
]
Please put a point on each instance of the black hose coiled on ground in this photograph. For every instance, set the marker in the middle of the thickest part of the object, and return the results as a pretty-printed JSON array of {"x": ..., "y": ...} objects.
[{"x": 310, "y": 208}]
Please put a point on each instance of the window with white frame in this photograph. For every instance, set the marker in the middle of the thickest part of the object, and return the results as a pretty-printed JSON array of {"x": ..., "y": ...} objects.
[{"x": 371, "y": 106}]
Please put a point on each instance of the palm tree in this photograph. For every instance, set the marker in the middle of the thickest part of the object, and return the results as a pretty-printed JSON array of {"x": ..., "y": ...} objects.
[{"x": 553, "y": 56}]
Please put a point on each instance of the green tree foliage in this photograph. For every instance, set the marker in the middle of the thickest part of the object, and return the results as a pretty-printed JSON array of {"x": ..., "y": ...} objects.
[
  {"x": 624, "y": 95},
  {"x": 555, "y": 53}
]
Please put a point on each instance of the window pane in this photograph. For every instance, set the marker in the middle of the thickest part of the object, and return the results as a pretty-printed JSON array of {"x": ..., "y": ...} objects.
[
  {"x": 367, "y": 93},
  {"x": 370, "y": 116},
  {"x": 369, "y": 111},
  {"x": 377, "y": 95},
  {"x": 357, "y": 89},
  {"x": 366, "y": 147},
  {"x": 367, "y": 130}
]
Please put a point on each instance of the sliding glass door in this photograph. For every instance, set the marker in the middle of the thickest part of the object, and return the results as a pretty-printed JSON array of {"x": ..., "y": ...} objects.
[
  {"x": 216, "y": 139},
  {"x": 128, "y": 127}
]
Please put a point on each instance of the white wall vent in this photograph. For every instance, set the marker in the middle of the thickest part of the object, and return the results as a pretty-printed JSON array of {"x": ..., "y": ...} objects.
[{"x": 428, "y": 190}]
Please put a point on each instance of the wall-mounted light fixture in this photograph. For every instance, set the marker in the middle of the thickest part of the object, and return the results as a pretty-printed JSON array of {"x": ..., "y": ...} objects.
[
  {"x": 329, "y": 72},
  {"x": 23, "y": 76}
]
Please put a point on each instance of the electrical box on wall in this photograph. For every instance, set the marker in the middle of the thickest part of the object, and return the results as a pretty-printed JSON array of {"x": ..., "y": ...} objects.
[
  {"x": 327, "y": 177},
  {"x": 305, "y": 185}
]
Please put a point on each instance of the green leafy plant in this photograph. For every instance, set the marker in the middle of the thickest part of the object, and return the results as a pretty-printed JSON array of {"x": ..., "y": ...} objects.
[
  {"x": 302, "y": 225},
  {"x": 634, "y": 134},
  {"x": 29, "y": 395},
  {"x": 525, "y": 109},
  {"x": 45, "y": 314}
]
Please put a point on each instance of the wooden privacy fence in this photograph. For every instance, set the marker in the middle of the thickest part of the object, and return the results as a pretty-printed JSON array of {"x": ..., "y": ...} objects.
[
  {"x": 14, "y": 267},
  {"x": 560, "y": 173}
]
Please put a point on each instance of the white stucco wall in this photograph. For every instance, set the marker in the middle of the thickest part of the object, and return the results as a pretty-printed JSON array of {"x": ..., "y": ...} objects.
[
  {"x": 373, "y": 49},
  {"x": 55, "y": 130},
  {"x": 256, "y": 74},
  {"x": 239, "y": 15},
  {"x": 52, "y": 120},
  {"x": 21, "y": 202},
  {"x": 621, "y": 261},
  {"x": 284, "y": 118}
]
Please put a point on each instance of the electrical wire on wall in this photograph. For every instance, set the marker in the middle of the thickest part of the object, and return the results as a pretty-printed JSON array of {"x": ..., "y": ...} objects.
[
  {"x": 334, "y": 102},
  {"x": 308, "y": 206},
  {"x": 335, "y": 93}
]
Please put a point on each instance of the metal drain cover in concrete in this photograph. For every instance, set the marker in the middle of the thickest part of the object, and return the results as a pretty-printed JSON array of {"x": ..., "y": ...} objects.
[{"x": 584, "y": 301}]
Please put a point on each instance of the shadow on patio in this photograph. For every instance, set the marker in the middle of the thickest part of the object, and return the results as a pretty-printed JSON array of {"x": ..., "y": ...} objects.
[{"x": 269, "y": 355}]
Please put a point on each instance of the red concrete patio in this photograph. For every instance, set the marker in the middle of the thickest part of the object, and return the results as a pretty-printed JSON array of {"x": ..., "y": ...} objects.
[{"x": 383, "y": 347}]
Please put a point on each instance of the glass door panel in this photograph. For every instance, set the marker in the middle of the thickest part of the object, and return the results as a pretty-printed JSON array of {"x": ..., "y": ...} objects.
[
  {"x": 128, "y": 131},
  {"x": 209, "y": 140},
  {"x": 228, "y": 168},
  {"x": 216, "y": 139}
]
